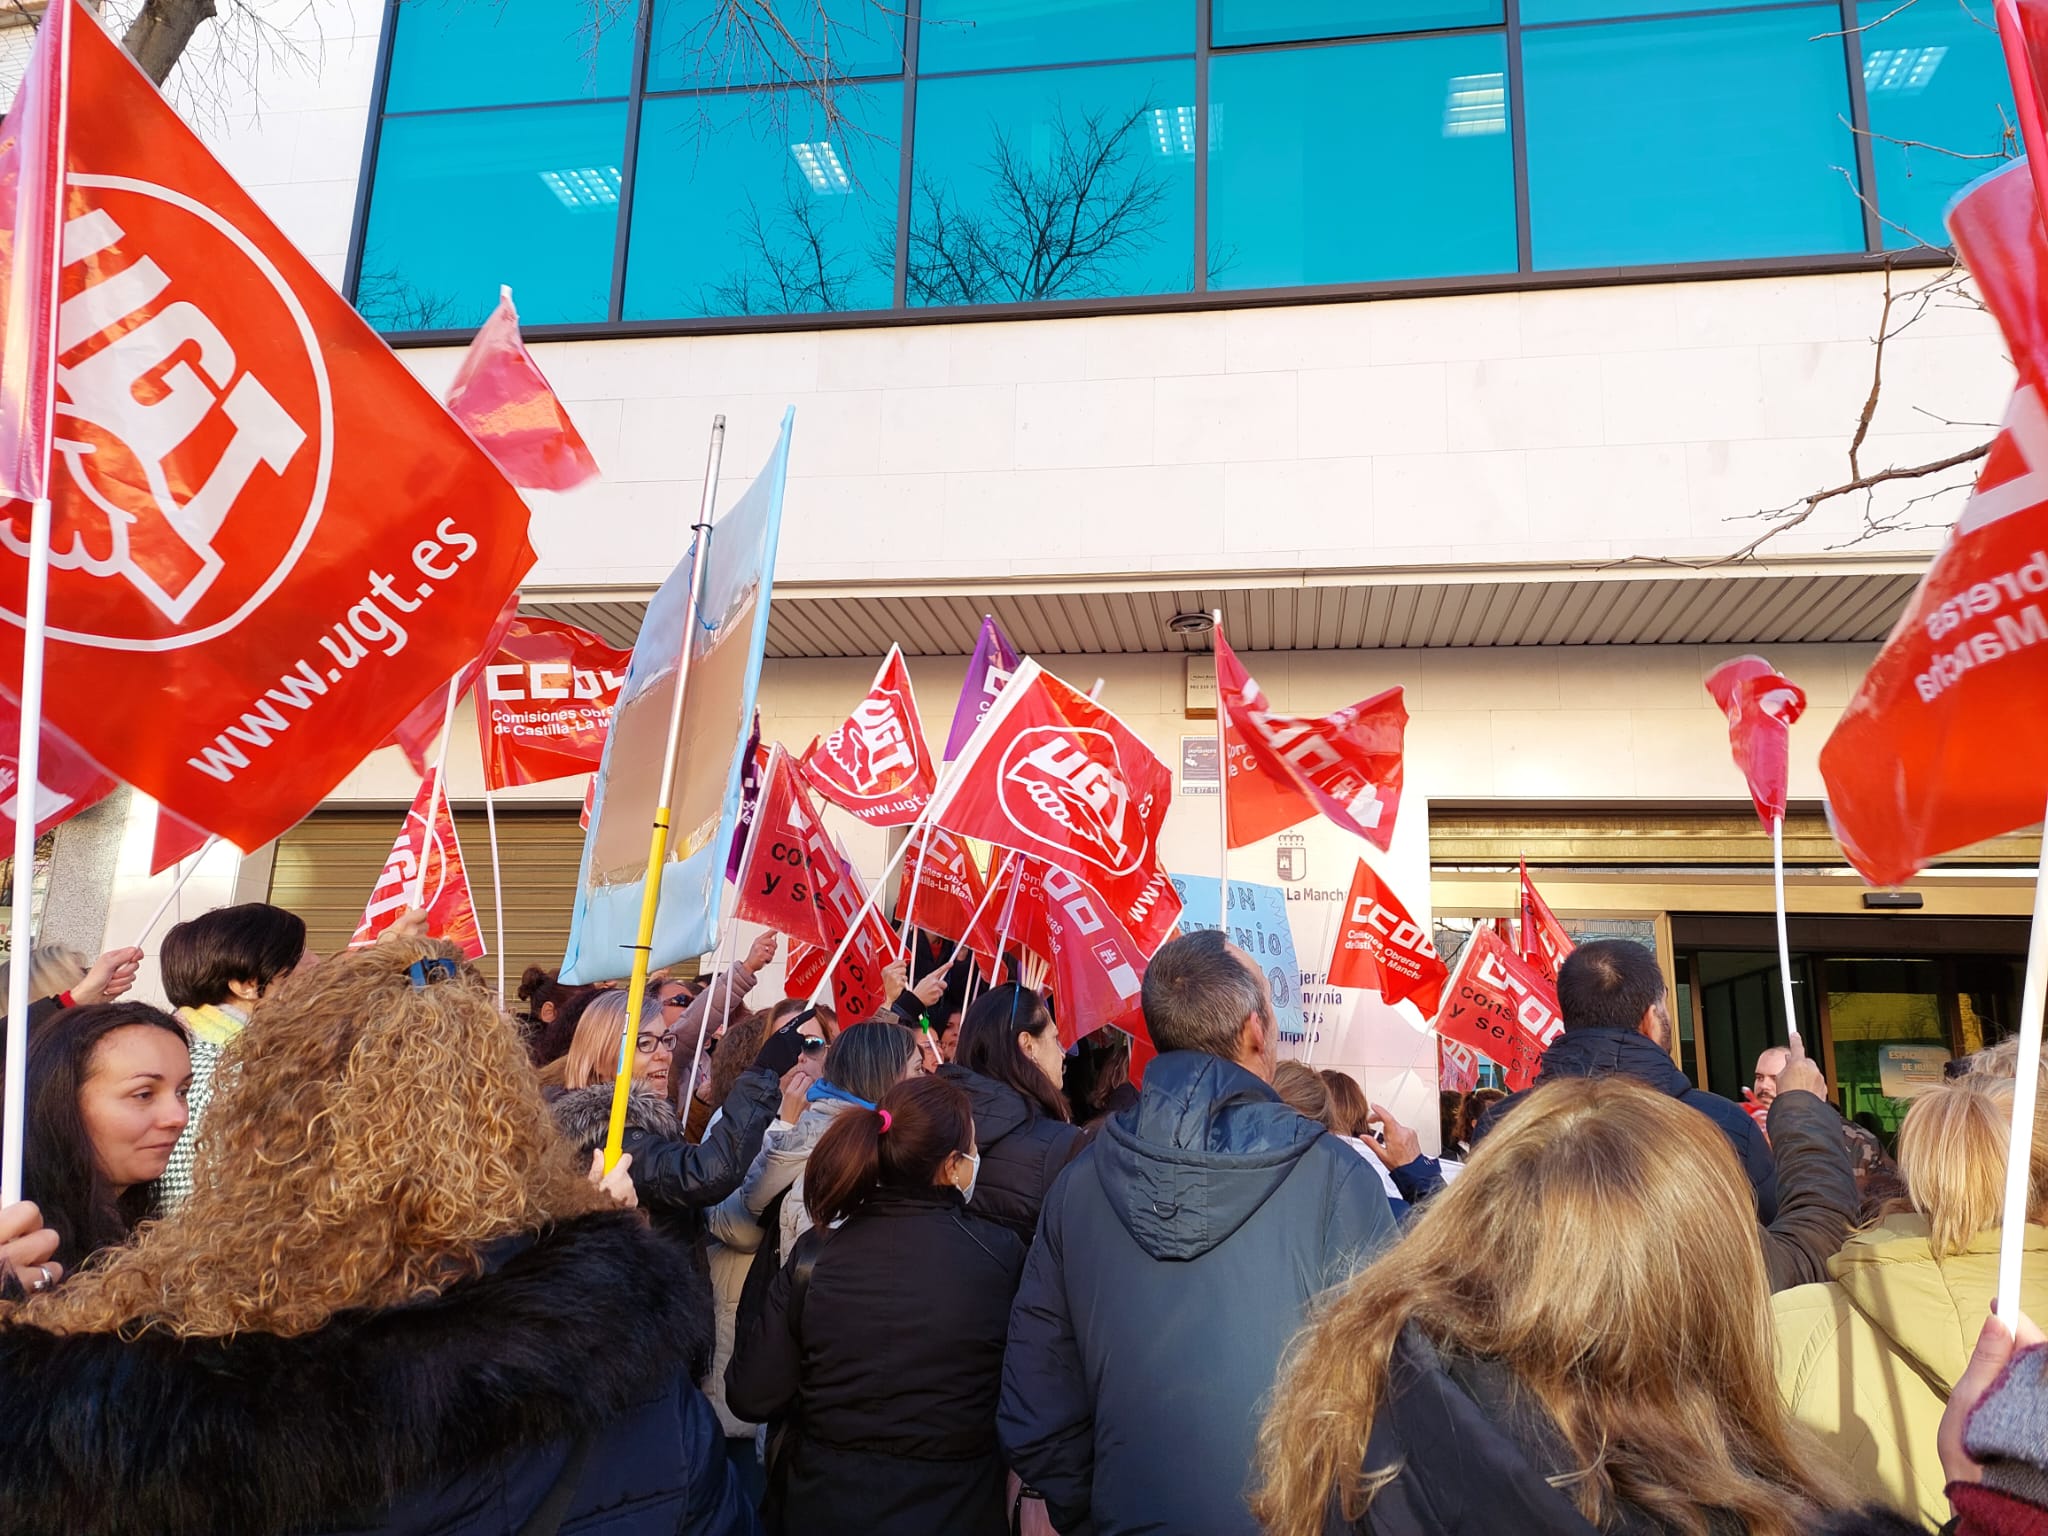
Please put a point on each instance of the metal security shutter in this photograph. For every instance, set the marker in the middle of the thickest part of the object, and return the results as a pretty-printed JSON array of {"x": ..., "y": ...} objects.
[{"x": 326, "y": 865}]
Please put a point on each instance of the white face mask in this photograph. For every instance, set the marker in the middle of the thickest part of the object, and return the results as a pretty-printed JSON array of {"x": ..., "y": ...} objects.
[{"x": 973, "y": 1173}]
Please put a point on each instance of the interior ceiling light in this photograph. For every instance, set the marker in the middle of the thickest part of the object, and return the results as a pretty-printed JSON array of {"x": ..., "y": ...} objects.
[
  {"x": 1475, "y": 104},
  {"x": 1901, "y": 69},
  {"x": 822, "y": 168},
  {"x": 1173, "y": 131},
  {"x": 587, "y": 186}
]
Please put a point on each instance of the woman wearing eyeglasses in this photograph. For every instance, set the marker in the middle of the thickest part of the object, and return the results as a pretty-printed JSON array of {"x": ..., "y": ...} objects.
[{"x": 677, "y": 1180}]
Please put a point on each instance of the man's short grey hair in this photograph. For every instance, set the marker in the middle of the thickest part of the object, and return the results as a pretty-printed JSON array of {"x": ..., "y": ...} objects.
[{"x": 1197, "y": 995}]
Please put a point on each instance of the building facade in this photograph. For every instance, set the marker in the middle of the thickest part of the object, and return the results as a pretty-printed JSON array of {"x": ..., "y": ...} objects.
[{"x": 1454, "y": 344}]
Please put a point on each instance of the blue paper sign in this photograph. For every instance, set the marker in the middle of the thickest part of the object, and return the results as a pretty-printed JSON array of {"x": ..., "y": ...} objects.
[{"x": 1259, "y": 927}]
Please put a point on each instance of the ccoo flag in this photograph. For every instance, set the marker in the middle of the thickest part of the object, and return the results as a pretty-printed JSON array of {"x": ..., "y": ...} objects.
[
  {"x": 1544, "y": 942},
  {"x": 1283, "y": 769},
  {"x": 1379, "y": 946},
  {"x": 725, "y": 672},
  {"x": 444, "y": 890}
]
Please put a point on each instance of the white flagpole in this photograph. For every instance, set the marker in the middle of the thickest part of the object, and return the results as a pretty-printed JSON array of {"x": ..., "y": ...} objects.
[
  {"x": 419, "y": 879},
  {"x": 903, "y": 951},
  {"x": 1222, "y": 789},
  {"x": 191, "y": 869},
  {"x": 1010, "y": 911},
  {"x": 1784, "y": 946},
  {"x": 868, "y": 905},
  {"x": 28, "y": 747},
  {"x": 2025, "y": 1093},
  {"x": 724, "y": 972},
  {"x": 497, "y": 882}
]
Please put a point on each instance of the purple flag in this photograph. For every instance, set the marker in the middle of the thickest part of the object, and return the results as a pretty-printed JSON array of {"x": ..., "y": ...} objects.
[
  {"x": 750, "y": 794},
  {"x": 987, "y": 674}
]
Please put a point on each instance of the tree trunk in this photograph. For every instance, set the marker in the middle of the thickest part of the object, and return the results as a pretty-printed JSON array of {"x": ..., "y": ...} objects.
[{"x": 159, "y": 35}]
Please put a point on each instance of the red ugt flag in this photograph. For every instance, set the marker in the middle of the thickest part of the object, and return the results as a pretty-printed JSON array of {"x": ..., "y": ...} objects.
[
  {"x": 1945, "y": 742},
  {"x": 1284, "y": 769},
  {"x": 500, "y": 395},
  {"x": 548, "y": 694},
  {"x": 68, "y": 780},
  {"x": 174, "y": 840},
  {"x": 444, "y": 894},
  {"x": 1097, "y": 971},
  {"x": 1053, "y": 775},
  {"x": 1545, "y": 944},
  {"x": 877, "y": 765},
  {"x": 268, "y": 541},
  {"x": 1761, "y": 707},
  {"x": 1381, "y": 947},
  {"x": 1500, "y": 1006}
]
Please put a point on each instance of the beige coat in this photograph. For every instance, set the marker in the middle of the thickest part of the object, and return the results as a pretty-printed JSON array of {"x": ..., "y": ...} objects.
[{"x": 1867, "y": 1360}]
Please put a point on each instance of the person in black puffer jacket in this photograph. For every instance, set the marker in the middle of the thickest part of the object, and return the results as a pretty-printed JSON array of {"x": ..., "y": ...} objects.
[
  {"x": 1616, "y": 1024},
  {"x": 881, "y": 1343},
  {"x": 1009, "y": 1063},
  {"x": 393, "y": 1306}
]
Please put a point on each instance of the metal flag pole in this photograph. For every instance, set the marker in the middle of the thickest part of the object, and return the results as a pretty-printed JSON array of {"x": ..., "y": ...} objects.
[
  {"x": 497, "y": 889},
  {"x": 657, "y": 847},
  {"x": 2026, "y": 1090},
  {"x": 191, "y": 869},
  {"x": 1222, "y": 789},
  {"x": 419, "y": 879},
  {"x": 34, "y": 624},
  {"x": 1792, "y": 1039},
  {"x": 724, "y": 972}
]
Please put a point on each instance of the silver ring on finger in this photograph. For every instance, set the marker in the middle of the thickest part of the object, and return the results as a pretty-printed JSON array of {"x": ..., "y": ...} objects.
[{"x": 44, "y": 1278}]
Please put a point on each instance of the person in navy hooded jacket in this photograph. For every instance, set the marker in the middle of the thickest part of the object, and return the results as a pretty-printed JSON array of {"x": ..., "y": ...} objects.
[{"x": 1176, "y": 1256}]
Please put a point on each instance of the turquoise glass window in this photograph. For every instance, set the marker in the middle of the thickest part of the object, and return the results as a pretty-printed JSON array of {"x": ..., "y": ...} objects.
[
  {"x": 465, "y": 201},
  {"x": 749, "y": 203},
  {"x": 1704, "y": 138},
  {"x": 699, "y": 44},
  {"x": 462, "y": 53},
  {"x": 1053, "y": 184},
  {"x": 1237, "y": 22},
  {"x": 1358, "y": 163},
  {"x": 1005, "y": 34}
]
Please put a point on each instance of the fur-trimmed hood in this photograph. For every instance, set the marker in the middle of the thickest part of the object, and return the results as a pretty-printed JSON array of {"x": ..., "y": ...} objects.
[
  {"x": 584, "y": 1114},
  {"x": 258, "y": 1435}
]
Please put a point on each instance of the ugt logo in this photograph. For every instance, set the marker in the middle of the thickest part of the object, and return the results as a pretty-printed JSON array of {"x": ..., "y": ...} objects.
[
  {"x": 194, "y": 422},
  {"x": 1066, "y": 787},
  {"x": 873, "y": 748}
]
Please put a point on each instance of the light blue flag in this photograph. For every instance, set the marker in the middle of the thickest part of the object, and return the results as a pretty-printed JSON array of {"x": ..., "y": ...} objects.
[{"x": 725, "y": 670}]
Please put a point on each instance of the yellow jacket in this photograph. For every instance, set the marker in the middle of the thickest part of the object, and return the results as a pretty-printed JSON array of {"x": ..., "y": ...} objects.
[{"x": 1867, "y": 1360}]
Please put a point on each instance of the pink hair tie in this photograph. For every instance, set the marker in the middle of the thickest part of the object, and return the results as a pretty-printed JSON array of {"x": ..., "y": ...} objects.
[{"x": 887, "y": 1121}]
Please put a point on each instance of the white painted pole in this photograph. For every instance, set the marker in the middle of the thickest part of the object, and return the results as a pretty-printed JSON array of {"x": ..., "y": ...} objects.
[
  {"x": 903, "y": 949},
  {"x": 868, "y": 905},
  {"x": 1792, "y": 1039},
  {"x": 177, "y": 885},
  {"x": 27, "y": 755},
  {"x": 34, "y": 623},
  {"x": 419, "y": 879},
  {"x": 1010, "y": 911},
  {"x": 497, "y": 890},
  {"x": 2026, "y": 1090}
]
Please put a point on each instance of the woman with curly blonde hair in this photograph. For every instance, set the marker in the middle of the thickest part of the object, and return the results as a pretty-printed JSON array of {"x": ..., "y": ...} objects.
[
  {"x": 392, "y": 1304},
  {"x": 1573, "y": 1337}
]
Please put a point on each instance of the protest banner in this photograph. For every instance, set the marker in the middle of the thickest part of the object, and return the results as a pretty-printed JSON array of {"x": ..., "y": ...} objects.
[
  {"x": 1542, "y": 940},
  {"x": 1260, "y": 926},
  {"x": 1500, "y": 1006},
  {"x": 502, "y": 399},
  {"x": 988, "y": 670}
]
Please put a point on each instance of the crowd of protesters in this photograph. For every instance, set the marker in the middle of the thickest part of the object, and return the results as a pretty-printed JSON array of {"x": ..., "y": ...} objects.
[{"x": 332, "y": 1247}]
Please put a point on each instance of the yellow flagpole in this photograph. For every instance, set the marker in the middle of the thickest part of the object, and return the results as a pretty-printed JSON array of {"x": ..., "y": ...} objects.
[{"x": 657, "y": 850}]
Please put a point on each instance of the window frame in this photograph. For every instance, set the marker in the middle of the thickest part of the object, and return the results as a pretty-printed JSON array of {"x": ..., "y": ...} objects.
[{"x": 1873, "y": 256}]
